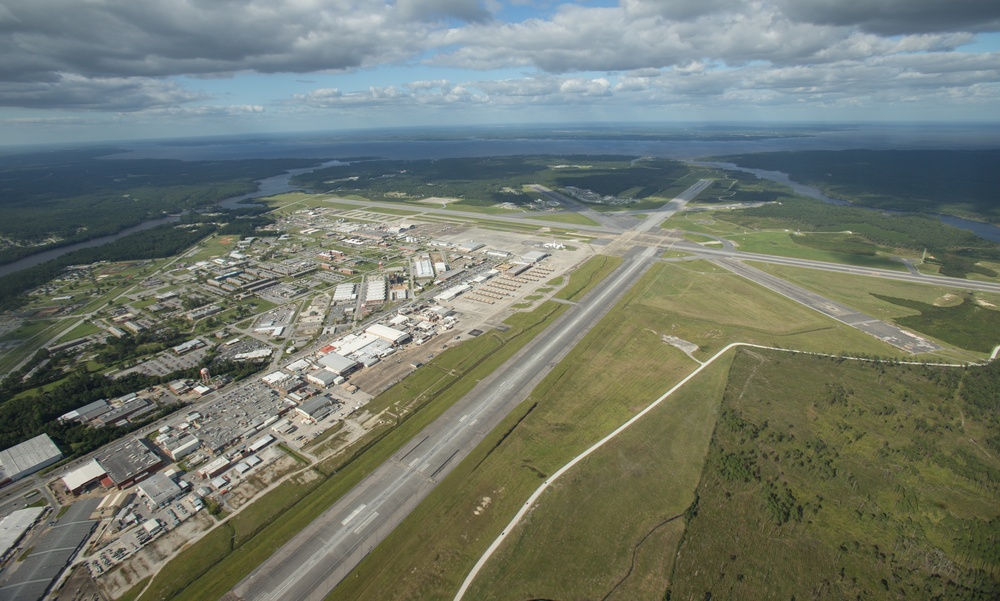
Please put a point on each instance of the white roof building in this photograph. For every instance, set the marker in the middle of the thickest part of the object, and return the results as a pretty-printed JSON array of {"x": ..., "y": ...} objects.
[
  {"x": 28, "y": 457},
  {"x": 84, "y": 475},
  {"x": 386, "y": 333}
]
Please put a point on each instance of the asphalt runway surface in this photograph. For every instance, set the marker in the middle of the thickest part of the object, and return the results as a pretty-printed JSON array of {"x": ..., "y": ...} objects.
[
  {"x": 314, "y": 561},
  {"x": 884, "y": 331}
]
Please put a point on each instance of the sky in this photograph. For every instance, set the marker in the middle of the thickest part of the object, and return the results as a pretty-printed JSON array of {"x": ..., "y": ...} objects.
[{"x": 89, "y": 70}]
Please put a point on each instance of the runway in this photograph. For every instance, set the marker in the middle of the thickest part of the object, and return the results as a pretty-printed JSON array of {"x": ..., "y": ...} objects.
[{"x": 314, "y": 561}]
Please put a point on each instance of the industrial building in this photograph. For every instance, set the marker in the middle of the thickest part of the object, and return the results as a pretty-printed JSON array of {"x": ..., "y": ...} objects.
[
  {"x": 386, "y": 333},
  {"x": 110, "y": 504},
  {"x": 323, "y": 377},
  {"x": 129, "y": 462},
  {"x": 534, "y": 256},
  {"x": 216, "y": 467},
  {"x": 87, "y": 412},
  {"x": 315, "y": 409},
  {"x": 84, "y": 476},
  {"x": 159, "y": 490},
  {"x": 338, "y": 364},
  {"x": 27, "y": 458},
  {"x": 181, "y": 446}
]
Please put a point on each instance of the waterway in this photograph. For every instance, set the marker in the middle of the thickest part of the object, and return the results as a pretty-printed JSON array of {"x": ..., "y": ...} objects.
[
  {"x": 983, "y": 230},
  {"x": 270, "y": 186}
]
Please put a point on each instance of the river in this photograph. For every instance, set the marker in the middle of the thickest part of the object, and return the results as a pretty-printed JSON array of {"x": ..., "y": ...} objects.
[
  {"x": 278, "y": 184},
  {"x": 983, "y": 230}
]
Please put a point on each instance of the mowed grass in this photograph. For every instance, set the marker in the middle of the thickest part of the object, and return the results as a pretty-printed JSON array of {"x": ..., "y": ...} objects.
[
  {"x": 610, "y": 528},
  {"x": 620, "y": 367},
  {"x": 835, "y": 479},
  {"x": 214, "y": 246},
  {"x": 712, "y": 307},
  {"x": 871, "y": 296},
  {"x": 574, "y": 218},
  {"x": 208, "y": 569},
  {"x": 616, "y": 370},
  {"x": 84, "y": 329},
  {"x": 784, "y": 244},
  {"x": 968, "y": 325},
  {"x": 587, "y": 276}
]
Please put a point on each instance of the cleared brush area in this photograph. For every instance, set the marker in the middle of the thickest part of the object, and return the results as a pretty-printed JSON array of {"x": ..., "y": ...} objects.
[{"x": 836, "y": 479}]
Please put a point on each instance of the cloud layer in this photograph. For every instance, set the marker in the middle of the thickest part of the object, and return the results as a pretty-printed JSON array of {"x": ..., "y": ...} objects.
[{"x": 127, "y": 55}]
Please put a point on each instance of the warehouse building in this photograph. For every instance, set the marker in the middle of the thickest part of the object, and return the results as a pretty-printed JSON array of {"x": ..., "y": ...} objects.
[
  {"x": 159, "y": 490},
  {"x": 219, "y": 465},
  {"x": 87, "y": 412},
  {"x": 323, "y": 377},
  {"x": 386, "y": 333},
  {"x": 315, "y": 409},
  {"x": 27, "y": 458},
  {"x": 534, "y": 256},
  {"x": 82, "y": 478},
  {"x": 181, "y": 446},
  {"x": 129, "y": 462},
  {"x": 338, "y": 364}
]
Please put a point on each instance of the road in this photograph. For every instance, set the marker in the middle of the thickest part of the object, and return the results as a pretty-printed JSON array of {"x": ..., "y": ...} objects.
[{"x": 314, "y": 561}]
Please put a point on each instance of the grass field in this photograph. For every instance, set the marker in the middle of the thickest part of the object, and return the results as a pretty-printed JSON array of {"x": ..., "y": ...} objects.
[
  {"x": 214, "y": 246},
  {"x": 588, "y": 275},
  {"x": 871, "y": 296},
  {"x": 969, "y": 325},
  {"x": 711, "y": 307},
  {"x": 786, "y": 244},
  {"x": 84, "y": 329},
  {"x": 574, "y": 218},
  {"x": 209, "y": 568},
  {"x": 619, "y": 368},
  {"x": 831, "y": 479},
  {"x": 613, "y": 522}
]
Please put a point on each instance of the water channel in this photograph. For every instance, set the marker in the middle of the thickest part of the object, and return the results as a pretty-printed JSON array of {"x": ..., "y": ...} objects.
[
  {"x": 270, "y": 186},
  {"x": 983, "y": 230}
]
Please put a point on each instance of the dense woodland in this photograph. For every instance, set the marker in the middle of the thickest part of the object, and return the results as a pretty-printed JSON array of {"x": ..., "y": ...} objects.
[
  {"x": 956, "y": 182},
  {"x": 158, "y": 242},
  {"x": 52, "y": 199},
  {"x": 492, "y": 180}
]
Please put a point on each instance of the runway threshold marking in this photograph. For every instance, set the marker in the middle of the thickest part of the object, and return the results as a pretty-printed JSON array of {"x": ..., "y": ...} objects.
[{"x": 353, "y": 515}]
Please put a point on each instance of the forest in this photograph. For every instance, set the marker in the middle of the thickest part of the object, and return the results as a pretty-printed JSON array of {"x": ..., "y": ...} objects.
[
  {"x": 956, "y": 250},
  {"x": 956, "y": 182},
  {"x": 485, "y": 181},
  {"x": 155, "y": 243},
  {"x": 52, "y": 199}
]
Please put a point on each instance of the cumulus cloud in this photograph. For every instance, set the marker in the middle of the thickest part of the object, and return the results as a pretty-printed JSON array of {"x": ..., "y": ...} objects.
[
  {"x": 423, "y": 10},
  {"x": 893, "y": 17},
  {"x": 121, "y": 55},
  {"x": 69, "y": 91},
  {"x": 121, "y": 38},
  {"x": 418, "y": 93}
]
